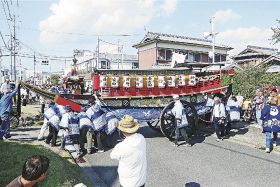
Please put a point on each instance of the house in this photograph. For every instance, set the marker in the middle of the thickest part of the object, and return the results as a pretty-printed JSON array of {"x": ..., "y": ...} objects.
[
  {"x": 156, "y": 50},
  {"x": 254, "y": 56}
]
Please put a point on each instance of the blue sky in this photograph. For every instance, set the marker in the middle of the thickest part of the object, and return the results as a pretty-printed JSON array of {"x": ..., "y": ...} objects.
[{"x": 44, "y": 25}]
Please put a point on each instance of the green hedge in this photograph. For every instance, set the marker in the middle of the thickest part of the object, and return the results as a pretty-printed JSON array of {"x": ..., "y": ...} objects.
[{"x": 247, "y": 81}]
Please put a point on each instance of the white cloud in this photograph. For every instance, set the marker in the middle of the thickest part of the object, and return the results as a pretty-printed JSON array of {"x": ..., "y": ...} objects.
[
  {"x": 169, "y": 6},
  {"x": 241, "y": 37},
  {"x": 100, "y": 17},
  {"x": 226, "y": 15}
]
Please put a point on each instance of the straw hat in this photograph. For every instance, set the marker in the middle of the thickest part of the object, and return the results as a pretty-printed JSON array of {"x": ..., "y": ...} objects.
[
  {"x": 176, "y": 97},
  {"x": 128, "y": 124}
]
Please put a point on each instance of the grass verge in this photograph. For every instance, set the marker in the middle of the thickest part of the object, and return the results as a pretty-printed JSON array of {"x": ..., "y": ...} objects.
[{"x": 61, "y": 171}]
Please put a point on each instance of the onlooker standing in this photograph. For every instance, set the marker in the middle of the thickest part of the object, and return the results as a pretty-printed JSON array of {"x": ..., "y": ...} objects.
[
  {"x": 5, "y": 112},
  {"x": 42, "y": 102},
  {"x": 233, "y": 110},
  {"x": 6, "y": 87},
  {"x": 270, "y": 113},
  {"x": 274, "y": 94},
  {"x": 131, "y": 154},
  {"x": 218, "y": 117},
  {"x": 239, "y": 99},
  {"x": 259, "y": 103},
  {"x": 33, "y": 171},
  {"x": 180, "y": 121}
]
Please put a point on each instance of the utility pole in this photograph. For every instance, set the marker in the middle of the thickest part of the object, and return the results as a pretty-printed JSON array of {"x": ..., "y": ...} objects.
[
  {"x": 34, "y": 69},
  {"x": 11, "y": 68},
  {"x": 213, "y": 38},
  {"x": 15, "y": 74},
  {"x": 97, "y": 62}
]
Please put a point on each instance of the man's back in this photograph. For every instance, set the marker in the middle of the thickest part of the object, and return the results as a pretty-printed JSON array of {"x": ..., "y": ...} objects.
[{"x": 131, "y": 154}]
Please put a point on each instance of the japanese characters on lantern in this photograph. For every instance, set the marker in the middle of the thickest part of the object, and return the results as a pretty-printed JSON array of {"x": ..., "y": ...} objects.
[
  {"x": 161, "y": 81},
  {"x": 126, "y": 81},
  {"x": 103, "y": 81},
  {"x": 139, "y": 81},
  {"x": 115, "y": 82},
  {"x": 171, "y": 80},
  {"x": 150, "y": 81}
]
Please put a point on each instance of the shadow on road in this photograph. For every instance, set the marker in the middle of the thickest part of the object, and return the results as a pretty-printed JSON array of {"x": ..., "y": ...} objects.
[
  {"x": 103, "y": 176},
  {"x": 192, "y": 184}
]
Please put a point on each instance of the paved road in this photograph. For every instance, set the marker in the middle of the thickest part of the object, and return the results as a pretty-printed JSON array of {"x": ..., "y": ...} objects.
[{"x": 207, "y": 163}]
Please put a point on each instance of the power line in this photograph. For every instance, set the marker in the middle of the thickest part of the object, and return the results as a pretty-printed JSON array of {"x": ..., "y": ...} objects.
[
  {"x": 42, "y": 55},
  {"x": 73, "y": 33},
  {"x": 4, "y": 41},
  {"x": 3, "y": 6}
]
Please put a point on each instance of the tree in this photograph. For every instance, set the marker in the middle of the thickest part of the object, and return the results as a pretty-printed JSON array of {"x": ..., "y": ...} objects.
[
  {"x": 54, "y": 79},
  {"x": 276, "y": 33}
]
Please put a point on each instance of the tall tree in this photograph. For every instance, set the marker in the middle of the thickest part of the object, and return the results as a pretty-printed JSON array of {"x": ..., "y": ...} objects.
[{"x": 276, "y": 33}]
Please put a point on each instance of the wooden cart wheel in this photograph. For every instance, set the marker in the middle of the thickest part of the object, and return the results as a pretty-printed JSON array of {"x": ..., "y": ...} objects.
[
  {"x": 154, "y": 125},
  {"x": 167, "y": 120}
]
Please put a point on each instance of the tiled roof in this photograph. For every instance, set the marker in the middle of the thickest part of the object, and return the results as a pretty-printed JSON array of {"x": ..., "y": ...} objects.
[
  {"x": 263, "y": 50},
  {"x": 150, "y": 36}
]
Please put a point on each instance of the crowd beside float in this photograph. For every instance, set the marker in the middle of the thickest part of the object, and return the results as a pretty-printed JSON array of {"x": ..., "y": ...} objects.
[{"x": 262, "y": 110}]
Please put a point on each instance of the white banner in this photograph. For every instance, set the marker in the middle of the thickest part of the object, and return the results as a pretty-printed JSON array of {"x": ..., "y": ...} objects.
[
  {"x": 171, "y": 80},
  {"x": 103, "y": 81},
  {"x": 181, "y": 80},
  {"x": 126, "y": 81},
  {"x": 161, "y": 81},
  {"x": 192, "y": 80},
  {"x": 177, "y": 58},
  {"x": 139, "y": 81},
  {"x": 115, "y": 82},
  {"x": 150, "y": 81}
]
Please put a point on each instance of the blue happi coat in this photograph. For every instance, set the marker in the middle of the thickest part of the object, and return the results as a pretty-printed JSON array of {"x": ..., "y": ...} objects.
[
  {"x": 6, "y": 102},
  {"x": 270, "y": 115}
]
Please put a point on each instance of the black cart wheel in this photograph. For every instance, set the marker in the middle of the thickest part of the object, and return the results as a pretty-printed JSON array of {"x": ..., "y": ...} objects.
[
  {"x": 154, "y": 125},
  {"x": 167, "y": 120}
]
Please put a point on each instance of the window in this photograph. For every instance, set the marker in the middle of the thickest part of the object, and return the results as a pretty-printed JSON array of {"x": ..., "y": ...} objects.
[
  {"x": 161, "y": 54},
  {"x": 164, "y": 54},
  {"x": 191, "y": 57},
  {"x": 204, "y": 57},
  {"x": 168, "y": 54},
  {"x": 197, "y": 57},
  {"x": 135, "y": 65},
  {"x": 103, "y": 64},
  {"x": 217, "y": 58},
  {"x": 223, "y": 58}
]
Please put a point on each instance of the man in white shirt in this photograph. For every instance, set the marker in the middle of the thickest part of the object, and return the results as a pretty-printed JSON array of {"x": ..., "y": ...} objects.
[
  {"x": 218, "y": 117},
  {"x": 131, "y": 153},
  {"x": 6, "y": 87}
]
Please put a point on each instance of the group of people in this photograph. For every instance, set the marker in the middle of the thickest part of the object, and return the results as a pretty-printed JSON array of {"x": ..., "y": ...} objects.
[{"x": 77, "y": 128}]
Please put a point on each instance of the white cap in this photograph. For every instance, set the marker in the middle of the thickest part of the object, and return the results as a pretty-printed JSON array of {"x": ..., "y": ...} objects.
[
  {"x": 176, "y": 97},
  {"x": 80, "y": 185},
  {"x": 216, "y": 99}
]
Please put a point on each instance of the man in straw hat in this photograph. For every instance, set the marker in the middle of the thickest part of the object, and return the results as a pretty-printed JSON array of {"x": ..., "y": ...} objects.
[{"x": 131, "y": 153}]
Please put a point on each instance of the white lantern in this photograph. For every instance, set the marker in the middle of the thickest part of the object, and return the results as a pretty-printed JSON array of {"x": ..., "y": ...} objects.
[
  {"x": 126, "y": 81},
  {"x": 115, "y": 82},
  {"x": 139, "y": 81},
  {"x": 161, "y": 81},
  {"x": 103, "y": 81},
  {"x": 150, "y": 81},
  {"x": 171, "y": 80},
  {"x": 192, "y": 80},
  {"x": 181, "y": 80}
]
